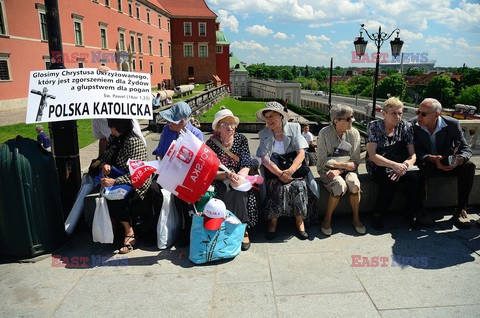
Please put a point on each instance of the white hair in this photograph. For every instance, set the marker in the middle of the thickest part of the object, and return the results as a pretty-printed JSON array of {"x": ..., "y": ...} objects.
[{"x": 436, "y": 105}]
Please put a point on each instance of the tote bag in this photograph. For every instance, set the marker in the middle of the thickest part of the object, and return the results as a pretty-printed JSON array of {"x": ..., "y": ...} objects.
[
  {"x": 102, "y": 231},
  {"x": 207, "y": 246},
  {"x": 168, "y": 226}
]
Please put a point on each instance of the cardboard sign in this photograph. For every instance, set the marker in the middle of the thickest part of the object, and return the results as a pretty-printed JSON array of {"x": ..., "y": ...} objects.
[{"x": 68, "y": 94}]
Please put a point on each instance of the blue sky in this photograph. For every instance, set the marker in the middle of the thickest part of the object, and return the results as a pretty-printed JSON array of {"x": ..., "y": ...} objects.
[{"x": 301, "y": 32}]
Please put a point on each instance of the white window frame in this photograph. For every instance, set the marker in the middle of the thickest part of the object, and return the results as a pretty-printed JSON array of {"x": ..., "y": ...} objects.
[
  {"x": 205, "y": 45},
  {"x": 41, "y": 10},
  {"x": 130, "y": 8},
  {"x": 162, "y": 68},
  {"x": 78, "y": 19},
  {"x": 185, "y": 25},
  {"x": 137, "y": 11},
  {"x": 168, "y": 25},
  {"x": 121, "y": 33},
  {"x": 169, "y": 49},
  {"x": 185, "y": 45},
  {"x": 199, "y": 28},
  {"x": 151, "y": 67},
  {"x": 161, "y": 47},
  {"x": 159, "y": 21},
  {"x": 150, "y": 45},
  {"x": 140, "y": 63},
  {"x": 132, "y": 43},
  {"x": 139, "y": 43},
  {"x": 120, "y": 5},
  {"x": 107, "y": 3},
  {"x": 46, "y": 59},
  {"x": 6, "y": 57},
  {"x": 134, "y": 68},
  {"x": 148, "y": 16},
  {"x": 3, "y": 17},
  {"x": 103, "y": 26},
  {"x": 217, "y": 49}
]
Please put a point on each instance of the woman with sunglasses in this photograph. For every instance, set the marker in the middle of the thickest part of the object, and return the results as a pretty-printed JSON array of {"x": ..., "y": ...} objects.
[
  {"x": 338, "y": 152},
  {"x": 390, "y": 154},
  {"x": 233, "y": 151}
]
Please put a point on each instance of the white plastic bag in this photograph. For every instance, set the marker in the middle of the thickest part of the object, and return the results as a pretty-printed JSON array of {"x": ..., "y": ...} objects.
[
  {"x": 102, "y": 230},
  {"x": 168, "y": 225}
]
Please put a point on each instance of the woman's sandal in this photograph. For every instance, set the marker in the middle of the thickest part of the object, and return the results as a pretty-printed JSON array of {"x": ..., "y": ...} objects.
[{"x": 128, "y": 247}]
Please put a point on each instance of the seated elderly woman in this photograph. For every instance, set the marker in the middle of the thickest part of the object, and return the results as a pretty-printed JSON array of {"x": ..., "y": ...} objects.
[
  {"x": 390, "y": 154},
  {"x": 124, "y": 144},
  {"x": 286, "y": 190},
  {"x": 233, "y": 152},
  {"x": 338, "y": 152}
]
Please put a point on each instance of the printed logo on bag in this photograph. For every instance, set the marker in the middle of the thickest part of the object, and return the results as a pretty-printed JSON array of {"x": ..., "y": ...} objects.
[
  {"x": 135, "y": 163},
  {"x": 214, "y": 214},
  {"x": 185, "y": 154}
]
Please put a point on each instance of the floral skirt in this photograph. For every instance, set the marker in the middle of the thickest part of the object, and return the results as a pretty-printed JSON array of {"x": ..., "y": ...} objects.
[{"x": 286, "y": 199}]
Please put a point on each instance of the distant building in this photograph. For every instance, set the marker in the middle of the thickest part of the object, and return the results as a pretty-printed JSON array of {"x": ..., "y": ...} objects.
[
  {"x": 273, "y": 89},
  {"x": 426, "y": 66},
  {"x": 122, "y": 34},
  {"x": 238, "y": 77},
  {"x": 222, "y": 51}
]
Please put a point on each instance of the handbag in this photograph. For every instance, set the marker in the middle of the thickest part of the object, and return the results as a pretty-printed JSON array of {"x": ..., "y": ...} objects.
[
  {"x": 169, "y": 223},
  {"x": 207, "y": 246},
  {"x": 284, "y": 162},
  {"x": 102, "y": 230}
]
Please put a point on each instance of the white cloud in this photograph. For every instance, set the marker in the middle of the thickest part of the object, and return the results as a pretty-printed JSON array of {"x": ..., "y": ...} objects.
[
  {"x": 280, "y": 36},
  {"x": 227, "y": 21},
  {"x": 317, "y": 37},
  {"x": 406, "y": 35},
  {"x": 250, "y": 45},
  {"x": 260, "y": 30}
]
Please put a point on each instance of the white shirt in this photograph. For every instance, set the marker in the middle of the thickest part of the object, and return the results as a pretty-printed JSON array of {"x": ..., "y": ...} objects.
[
  {"x": 308, "y": 137},
  {"x": 278, "y": 147},
  {"x": 101, "y": 130}
]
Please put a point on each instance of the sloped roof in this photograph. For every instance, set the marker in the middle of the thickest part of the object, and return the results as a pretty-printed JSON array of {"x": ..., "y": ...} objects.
[
  {"x": 221, "y": 38},
  {"x": 157, "y": 4},
  {"x": 235, "y": 64},
  {"x": 187, "y": 8}
]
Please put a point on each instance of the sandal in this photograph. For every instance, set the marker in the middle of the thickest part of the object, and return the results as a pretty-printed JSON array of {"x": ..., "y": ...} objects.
[{"x": 128, "y": 247}]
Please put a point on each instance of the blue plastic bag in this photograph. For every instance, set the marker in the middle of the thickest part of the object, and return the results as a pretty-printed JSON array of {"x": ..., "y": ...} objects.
[
  {"x": 207, "y": 246},
  {"x": 116, "y": 192}
]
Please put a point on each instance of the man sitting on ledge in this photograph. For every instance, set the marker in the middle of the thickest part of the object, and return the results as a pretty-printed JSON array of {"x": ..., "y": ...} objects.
[{"x": 442, "y": 149}]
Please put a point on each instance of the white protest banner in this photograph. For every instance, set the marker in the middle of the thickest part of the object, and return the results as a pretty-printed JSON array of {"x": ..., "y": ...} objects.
[{"x": 68, "y": 94}]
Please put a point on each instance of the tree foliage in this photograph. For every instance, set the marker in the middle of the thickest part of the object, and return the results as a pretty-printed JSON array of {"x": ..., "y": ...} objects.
[
  {"x": 470, "y": 96},
  {"x": 394, "y": 85},
  {"x": 441, "y": 88}
]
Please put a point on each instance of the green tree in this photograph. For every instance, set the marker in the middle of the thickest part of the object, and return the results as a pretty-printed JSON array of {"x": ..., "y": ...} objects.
[
  {"x": 441, "y": 88},
  {"x": 358, "y": 83},
  {"x": 394, "y": 85},
  {"x": 367, "y": 91},
  {"x": 286, "y": 75},
  {"x": 307, "y": 71},
  {"x": 414, "y": 71},
  {"x": 471, "y": 77},
  {"x": 470, "y": 96},
  {"x": 294, "y": 71}
]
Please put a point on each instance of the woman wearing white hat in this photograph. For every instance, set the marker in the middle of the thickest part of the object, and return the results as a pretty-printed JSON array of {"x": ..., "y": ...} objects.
[
  {"x": 233, "y": 151},
  {"x": 286, "y": 189}
]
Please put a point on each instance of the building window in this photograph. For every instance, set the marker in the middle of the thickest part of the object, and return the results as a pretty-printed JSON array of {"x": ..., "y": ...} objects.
[
  {"x": 107, "y": 3},
  {"x": 187, "y": 28},
  {"x": 202, "y": 50},
  {"x": 139, "y": 40},
  {"x": 150, "y": 48},
  {"x": 191, "y": 71},
  {"x": 151, "y": 67},
  {"x": 5, "y": 67},
  {"x": 202, "y": 29},
  {"x": 161, "y": 48},
  {"x": 119, "y": 5},
  {"x": 159, "y": 21},
  {"x": 148, "y": 17},
  {"x": 121, "y": 39},
  {"x": 168, "y": 26},
  {"x": 133, "y": 65},
  {"x": 138, "y": 11},
  {"x": 46, "y": 60},
  {"x": 140, "y": 63},
  {"x": 3, "y": 18},
  {"x": 188, "y": 50},
  {"x": 103, "y": 36},
  {"x": 169, "y": 49},
  {"x": 43, "y": 25},
  {"x": 77, "y": 26},
  {"x": 219, "y": 49},
  {"x": 132, "y": 42},
  {"x": 161, "y": 68},
  {"x": 130, "y": 9}
]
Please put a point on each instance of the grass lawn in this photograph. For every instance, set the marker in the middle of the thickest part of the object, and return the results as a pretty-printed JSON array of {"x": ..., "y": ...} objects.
[
  {"x": 244, "y": 110},
  {"x": 84, "y": 131}
]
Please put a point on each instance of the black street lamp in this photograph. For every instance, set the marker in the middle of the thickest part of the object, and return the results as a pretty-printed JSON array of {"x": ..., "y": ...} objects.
[{"x": 361, "y": 45}]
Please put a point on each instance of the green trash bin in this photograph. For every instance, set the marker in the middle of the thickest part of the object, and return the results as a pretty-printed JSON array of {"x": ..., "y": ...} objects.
[{"x": 31, "y": 217}]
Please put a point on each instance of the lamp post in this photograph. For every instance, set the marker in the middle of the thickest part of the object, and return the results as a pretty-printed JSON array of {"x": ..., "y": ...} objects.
[{"x": 361, "y": 45}]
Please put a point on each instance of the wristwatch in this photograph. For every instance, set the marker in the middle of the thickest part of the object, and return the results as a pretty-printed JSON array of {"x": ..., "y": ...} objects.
[{"x": 406, "y": 164}]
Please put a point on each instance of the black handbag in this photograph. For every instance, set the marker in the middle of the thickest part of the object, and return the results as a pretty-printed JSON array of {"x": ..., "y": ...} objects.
[{"x": 284, "y": 162}]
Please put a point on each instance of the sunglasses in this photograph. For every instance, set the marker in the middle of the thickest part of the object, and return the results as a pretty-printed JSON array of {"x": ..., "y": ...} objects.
[
  {"x": 423, "y": 114},
  {"x": 349, "y": 119}
]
